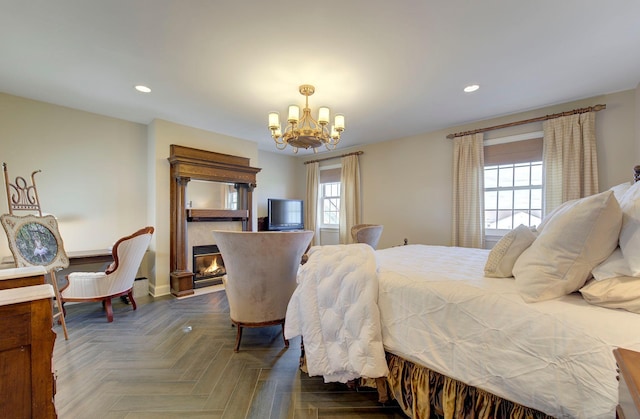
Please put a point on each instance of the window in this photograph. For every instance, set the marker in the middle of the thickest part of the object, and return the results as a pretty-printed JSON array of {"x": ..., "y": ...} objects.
[
  {"x": 329, "y": 196},
  {"x": 512, "y": 184},
  {"x": 512, "y": 196},
  {"x": 330, "y": 201}
]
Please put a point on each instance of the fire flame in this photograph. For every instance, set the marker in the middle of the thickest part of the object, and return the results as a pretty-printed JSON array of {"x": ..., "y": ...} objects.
[{"x": 213, "y": 268}]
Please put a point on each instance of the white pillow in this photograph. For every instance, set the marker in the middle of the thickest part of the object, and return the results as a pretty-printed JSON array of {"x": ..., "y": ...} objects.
[
  {"x": 507, "y": 250},
  {"x": 613, "y": 266},
  {"x": 630, "y": 232},
  {"x": 619, "y": 190},
  {"x": 621, "y": 292},
  {"x": 579, "y": 236}
]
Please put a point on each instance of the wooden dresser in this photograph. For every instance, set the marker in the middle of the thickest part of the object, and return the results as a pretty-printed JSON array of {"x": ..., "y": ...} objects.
[
  {"x": 27, "y": 383},
  {"x": 629, "y": 383}
]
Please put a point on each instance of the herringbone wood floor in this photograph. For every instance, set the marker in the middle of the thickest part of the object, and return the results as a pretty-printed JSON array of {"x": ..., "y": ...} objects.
[{"x": 173, "y": 358}]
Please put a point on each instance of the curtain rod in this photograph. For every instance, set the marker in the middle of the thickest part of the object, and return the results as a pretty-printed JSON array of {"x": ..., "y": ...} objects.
[
  {"x": 357, "y": 153},
  {"x": 527, "y": 121}
]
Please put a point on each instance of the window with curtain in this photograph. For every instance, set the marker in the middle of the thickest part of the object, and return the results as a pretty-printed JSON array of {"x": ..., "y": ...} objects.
[
  {"x": 512, "y": 184},
  {"x": 329, "y": 199}
]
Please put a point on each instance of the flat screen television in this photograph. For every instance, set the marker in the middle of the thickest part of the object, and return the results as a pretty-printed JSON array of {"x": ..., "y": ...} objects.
[{"x": 285, "y": 214}]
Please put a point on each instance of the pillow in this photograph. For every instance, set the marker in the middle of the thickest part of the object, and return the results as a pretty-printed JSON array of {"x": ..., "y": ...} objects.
[
  {"x": 580, "y": 235},
  {"x": 507, "y": 250},
  {"x": 621, "y": 292},
  {"x": 613, "y": 266},
  {"x": 630, "y": 232},
  {"x": 552, "y": 214},
  {"x": 619, "y": 190}
]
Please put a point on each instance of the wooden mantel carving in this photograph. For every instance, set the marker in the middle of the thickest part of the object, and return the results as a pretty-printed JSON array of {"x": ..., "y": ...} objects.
[{"x": 190, "y": 163}]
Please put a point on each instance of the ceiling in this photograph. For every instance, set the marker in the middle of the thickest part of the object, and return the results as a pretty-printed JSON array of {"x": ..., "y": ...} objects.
[{"x": 393, "y": 68}]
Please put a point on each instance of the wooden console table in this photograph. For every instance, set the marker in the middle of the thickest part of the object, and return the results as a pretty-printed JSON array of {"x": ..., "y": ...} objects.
[
  {"x": 80, "y": 257},
  {"x": 27, "y": 382}
]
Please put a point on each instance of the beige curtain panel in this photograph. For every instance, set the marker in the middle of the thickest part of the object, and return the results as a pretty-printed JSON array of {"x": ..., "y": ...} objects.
[
  {"x": 570, "y": 162},
  {"x": 468, "y": 191},
  {"x": 350, "y": 205},
  {"x": 311, "y": 202}
]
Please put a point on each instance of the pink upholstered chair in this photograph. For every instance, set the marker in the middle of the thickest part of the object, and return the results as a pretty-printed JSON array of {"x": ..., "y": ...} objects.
[
  {"x": 367, "y": 233},
  {"x": 261, "y": 275},
  {"x": 117, "y": 280}
]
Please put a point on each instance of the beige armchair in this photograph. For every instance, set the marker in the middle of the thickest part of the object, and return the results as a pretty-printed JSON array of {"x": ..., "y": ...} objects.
[
  {"x": 117, "y": 280},
  {"x": 261, "y": 275},
  {"x": 367, "y": 233}
]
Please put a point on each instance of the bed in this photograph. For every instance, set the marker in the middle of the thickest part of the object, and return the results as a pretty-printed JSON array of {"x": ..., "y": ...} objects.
[{"x": 464, "y": 339}]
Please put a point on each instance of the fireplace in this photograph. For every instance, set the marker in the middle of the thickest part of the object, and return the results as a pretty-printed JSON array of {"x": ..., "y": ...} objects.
[
  {"x": 188, "y": 164},
  {"x": 208, "y": 266}
]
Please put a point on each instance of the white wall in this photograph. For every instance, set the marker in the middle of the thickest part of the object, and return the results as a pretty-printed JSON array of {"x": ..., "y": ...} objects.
[
  {"x": 280, "y": 177},
  {"x": 93, "y": 175}
]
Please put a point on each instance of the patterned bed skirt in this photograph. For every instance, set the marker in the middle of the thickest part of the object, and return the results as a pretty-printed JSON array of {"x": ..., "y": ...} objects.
[{"x": 425, "y": 394}]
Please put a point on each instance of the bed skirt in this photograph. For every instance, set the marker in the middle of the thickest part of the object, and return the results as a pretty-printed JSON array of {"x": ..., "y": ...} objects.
[{"x": 425, "y": 394}]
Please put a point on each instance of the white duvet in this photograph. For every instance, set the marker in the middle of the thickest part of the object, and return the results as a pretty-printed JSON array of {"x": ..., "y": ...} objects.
[
  {"x": 438, "y": 310},
  {"x": 334, "y": 308}
]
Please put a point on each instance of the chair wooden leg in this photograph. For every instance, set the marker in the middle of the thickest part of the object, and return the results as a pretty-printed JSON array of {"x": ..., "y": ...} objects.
[
  {"x": 60, "y": 314},
  {"x": 107, "y": 306},
  {"x": 238, "y": 338},
  {"x": 133, "y": 302}
]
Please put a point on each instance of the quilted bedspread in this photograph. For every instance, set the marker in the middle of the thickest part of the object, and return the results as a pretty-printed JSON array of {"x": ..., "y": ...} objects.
[
  {"x": 438, "y": 310},
  {"x": 334, "y": 308}
]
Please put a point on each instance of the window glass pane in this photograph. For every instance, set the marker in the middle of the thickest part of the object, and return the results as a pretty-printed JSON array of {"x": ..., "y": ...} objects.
[
  {"x": 505, "y": 176},
  {"x": 521, "y": 176},
  {"x": 505, "y": 220},
  {"x": 521, "y": 199},
  {"x": 536, "y": 174},
  {"x": 490, "y": 219},
  {"x": 536, "y": 217},
  {"x": 491, "y": 177},
  {"x": 536, "y": 199},
  {"x": 490, "y": 200},
  {"x": 505, "y": 199}
]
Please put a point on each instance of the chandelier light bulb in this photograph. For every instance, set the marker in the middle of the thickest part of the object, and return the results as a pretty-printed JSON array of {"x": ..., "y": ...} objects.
[
  {"x": 339, "y": 122},
  {"x": 274, "y": 120},
  {"x": 323, "y": 115},
  {"x": 294, "y": 114}
]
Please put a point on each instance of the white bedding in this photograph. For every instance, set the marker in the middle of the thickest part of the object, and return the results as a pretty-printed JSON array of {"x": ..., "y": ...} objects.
[
  {"x": 334, "y": 309},
  {"x": 554, "y": 356}
]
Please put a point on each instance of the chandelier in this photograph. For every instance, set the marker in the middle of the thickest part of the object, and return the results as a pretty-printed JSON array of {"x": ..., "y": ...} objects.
[{"x": 306, "y": 132}]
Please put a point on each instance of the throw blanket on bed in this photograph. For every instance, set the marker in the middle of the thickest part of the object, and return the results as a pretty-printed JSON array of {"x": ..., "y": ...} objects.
[{"x": 335, "y": 310}]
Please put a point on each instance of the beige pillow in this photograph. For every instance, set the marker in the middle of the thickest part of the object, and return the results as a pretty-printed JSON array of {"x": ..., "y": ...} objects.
[
  {"x": 621, "y": 292},
  {"x": 579, "y": 236},
  {"x": 504, "y": 254}
]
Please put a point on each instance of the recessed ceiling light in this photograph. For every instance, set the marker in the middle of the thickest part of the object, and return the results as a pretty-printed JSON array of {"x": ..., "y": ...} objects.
[
  {"x": 471, "y": 88},
  {"x": 143, "y": 89}
]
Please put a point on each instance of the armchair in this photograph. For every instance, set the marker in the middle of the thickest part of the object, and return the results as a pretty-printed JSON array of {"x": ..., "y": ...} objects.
[
  {"x": 261, "y": 275},
  {"x": 367, "y": 233},
  {"x": 117, "y": 280}
]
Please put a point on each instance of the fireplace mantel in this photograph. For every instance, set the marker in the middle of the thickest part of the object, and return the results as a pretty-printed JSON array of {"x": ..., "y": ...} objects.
[{"x": 192, "y": 164}]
